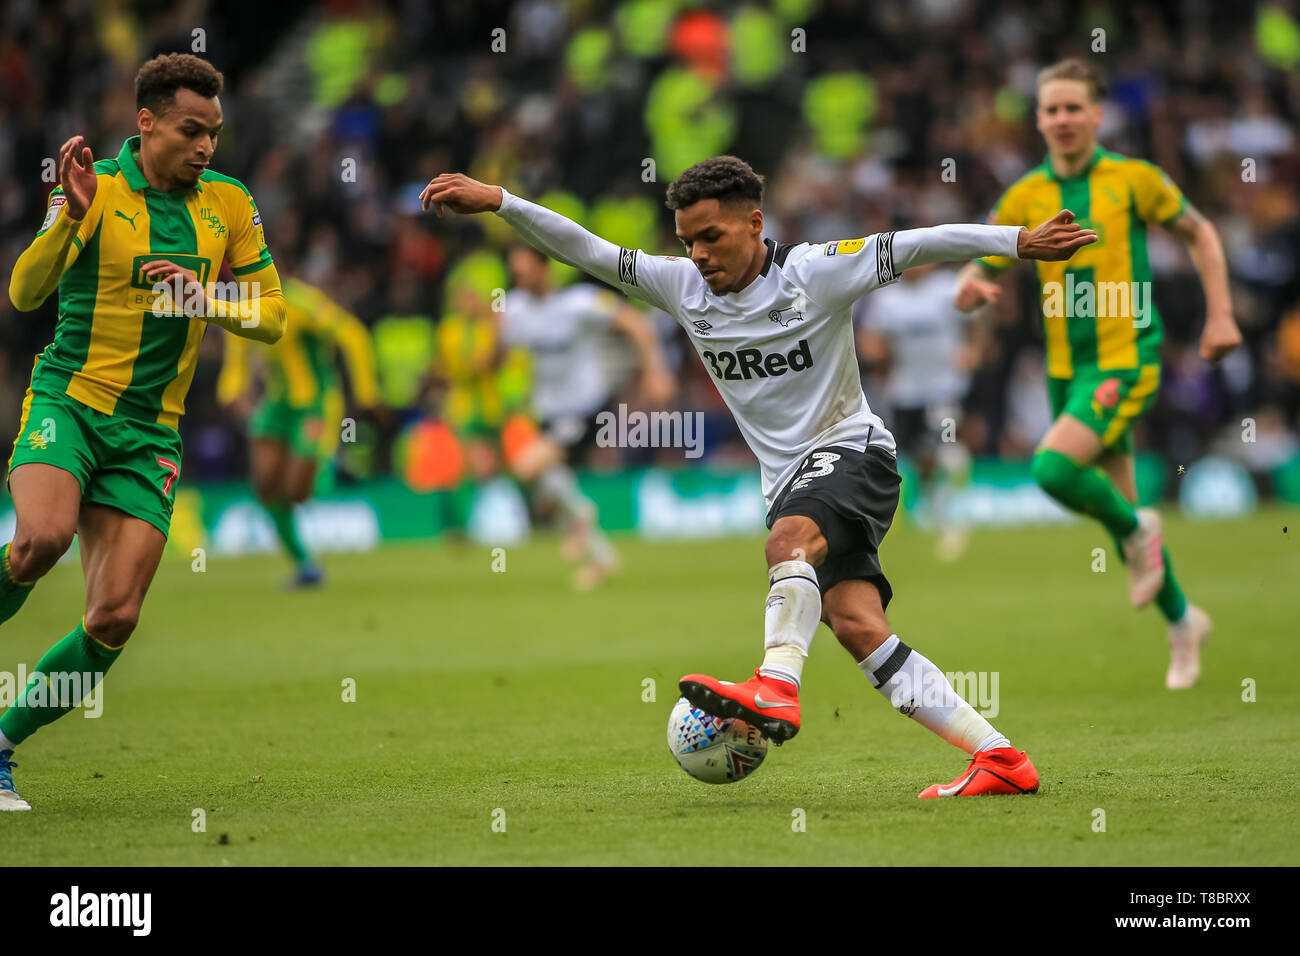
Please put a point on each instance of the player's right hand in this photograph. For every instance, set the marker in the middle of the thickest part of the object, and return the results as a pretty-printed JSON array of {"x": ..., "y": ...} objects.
[
  {"x": 77, "y": 177},
  {"x": 1054, "y": 240},
  {"x": 975, "y": 292},
  {"x": 459, "y": 193}
]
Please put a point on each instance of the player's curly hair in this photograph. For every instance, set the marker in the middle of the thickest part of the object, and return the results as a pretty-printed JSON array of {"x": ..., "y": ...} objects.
[
  {"x": 727, "y": 179},
  {"x": 159, "y": 79},
  {"x": 1076, "y": 69}
]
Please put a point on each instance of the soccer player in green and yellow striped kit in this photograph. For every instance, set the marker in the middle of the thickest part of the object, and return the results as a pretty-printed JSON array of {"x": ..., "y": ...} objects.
[
  {"x": 1103, "y": 332},
  {"x": 132, "y": 244},
  {"x": 295, "y": 427}
]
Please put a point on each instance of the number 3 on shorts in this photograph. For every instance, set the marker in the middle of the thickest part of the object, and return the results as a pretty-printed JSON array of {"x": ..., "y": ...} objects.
[
  {"x": 173, "y": 471},
  {"x": 822, "y": 463}
]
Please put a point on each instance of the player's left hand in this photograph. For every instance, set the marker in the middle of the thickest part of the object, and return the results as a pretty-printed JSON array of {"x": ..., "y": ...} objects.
[
  {"x": 1220, "y": 337},
  {"x": 1054, "y": 240},
  {"x": 460, "y": 194},
  {"x": 164, "y": 270}
]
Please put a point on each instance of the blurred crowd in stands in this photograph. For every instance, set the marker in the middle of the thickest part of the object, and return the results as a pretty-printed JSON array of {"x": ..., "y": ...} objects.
[{"x": 338, "y": 113}]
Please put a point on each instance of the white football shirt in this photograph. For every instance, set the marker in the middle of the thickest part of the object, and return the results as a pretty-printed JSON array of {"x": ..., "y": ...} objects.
[
  {"x": 563, "y": 332},
  {"x": 781, "y": 350},
  {"x": 925, "y": 331}
]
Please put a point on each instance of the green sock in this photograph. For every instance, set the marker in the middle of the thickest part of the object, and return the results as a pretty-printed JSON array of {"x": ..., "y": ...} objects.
[
  {"x": 1170, "y": 598},
  {"x": 287, "y": 531},
  {"x": 1086, "y": 490},
  {"x": 12, "y": 593},
  {"x": 73, "y": 666}
]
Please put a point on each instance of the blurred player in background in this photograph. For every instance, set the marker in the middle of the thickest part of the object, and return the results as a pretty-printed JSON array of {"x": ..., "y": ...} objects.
[
  {"x": 1103, "y": 370},
  {"x": 478, "y": 388},
  {"x": 772, "y": 322},
  {"x": 913, "y": 333},
  {"x": 132, "y": 244},
  {"x": 295, "y": 428},
  {"x": 564, "y": 332}
]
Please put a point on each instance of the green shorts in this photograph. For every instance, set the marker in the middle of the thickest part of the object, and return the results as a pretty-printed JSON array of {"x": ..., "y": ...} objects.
[
  {"x": 1108, "y": 402},
  {"x": 301, "y": 429},
  {"x": 128, "y": 464}
]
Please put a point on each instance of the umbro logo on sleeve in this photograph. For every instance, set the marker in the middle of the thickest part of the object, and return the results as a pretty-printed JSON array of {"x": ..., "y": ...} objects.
[
  {"x": 627, "y": 266},
  {"x": 885, "y": 258}
]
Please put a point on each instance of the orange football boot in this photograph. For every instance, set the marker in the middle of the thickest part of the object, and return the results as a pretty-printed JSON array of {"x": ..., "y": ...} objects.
[
  {"x": 1003, "y": 770},
  {"x": 758, "y": 701}
]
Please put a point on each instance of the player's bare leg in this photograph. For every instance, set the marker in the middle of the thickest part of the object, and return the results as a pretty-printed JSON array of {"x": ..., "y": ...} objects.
[
  {"x": 1122, "y": 472},
  {"x": 282, "y": 480},
  {"x": 542, "y": 464},
  {"x": 119, "y": 556},
  {"x": 268, "y": 461},
  {"x": 299, "y": 479},
  {"x": 770, "y": 699},
  {"x": 46, "y": 502},
  {"x": 917, "y": 689}
]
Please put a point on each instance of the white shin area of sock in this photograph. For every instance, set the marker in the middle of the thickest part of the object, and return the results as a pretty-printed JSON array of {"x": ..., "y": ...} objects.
[
  {"x": 794, "y": 609},
  {"x": 558, "y": 485},
  {"x": 917, "y": 689},
  {"x": 6, "y": 743}
]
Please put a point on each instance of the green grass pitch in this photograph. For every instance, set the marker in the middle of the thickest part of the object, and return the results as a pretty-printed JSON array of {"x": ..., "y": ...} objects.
[{"x": 481, "y": 692}]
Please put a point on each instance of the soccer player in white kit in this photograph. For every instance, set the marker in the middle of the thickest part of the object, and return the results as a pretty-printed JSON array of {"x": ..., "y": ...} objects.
[
  {"x": 562, "y": 329},
  {"x": 913, "y": 331},
  {"x": 771, "y": 321}
]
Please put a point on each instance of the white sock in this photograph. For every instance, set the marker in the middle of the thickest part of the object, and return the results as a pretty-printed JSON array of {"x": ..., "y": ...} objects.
[
  {"x": 794, "y": 609},
  {"x": 559, "y": 486},
  {"x": 6, "y": 743},
  {"x": 918, "y": 689}
]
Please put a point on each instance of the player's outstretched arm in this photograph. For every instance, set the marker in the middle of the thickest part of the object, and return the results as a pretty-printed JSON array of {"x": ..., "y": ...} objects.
[
  {"x": 38, "y": 270},
  {"x": 557, "y": 236},
  {"x": 1056, "y": 239},
  {"x": 841, "y": 274},
  {"x": 1221, "y": 334}
]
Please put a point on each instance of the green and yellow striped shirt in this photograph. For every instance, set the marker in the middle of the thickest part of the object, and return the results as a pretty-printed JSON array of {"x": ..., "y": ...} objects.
[
  {"x": 300, "y": 367},
  {"x": 1089, "y": 301},
  {"x": 110, "y": 350}
]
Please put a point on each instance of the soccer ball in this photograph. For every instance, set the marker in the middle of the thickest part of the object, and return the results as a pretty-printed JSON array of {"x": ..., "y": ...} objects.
[{"x": 714, "y": 749}]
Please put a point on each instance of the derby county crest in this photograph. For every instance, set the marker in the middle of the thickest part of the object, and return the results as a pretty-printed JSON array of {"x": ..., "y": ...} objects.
[{"x": 780, "y": 318}]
